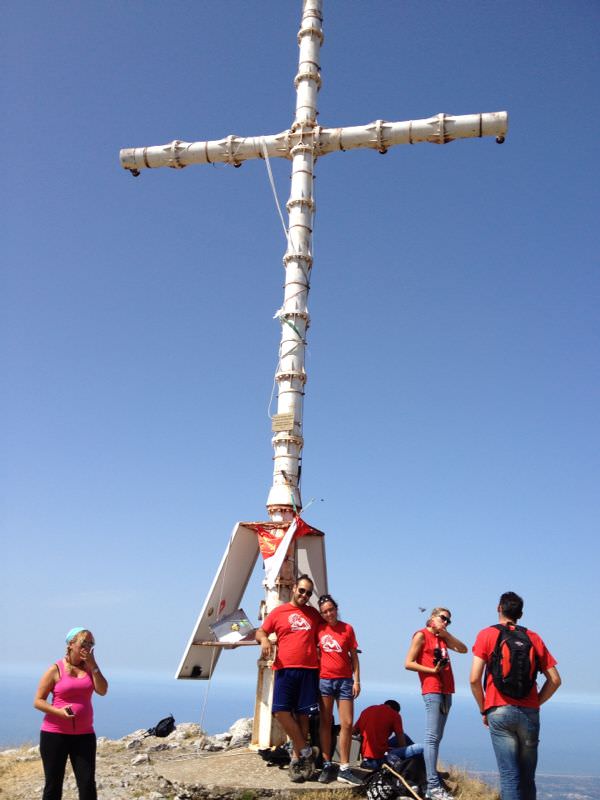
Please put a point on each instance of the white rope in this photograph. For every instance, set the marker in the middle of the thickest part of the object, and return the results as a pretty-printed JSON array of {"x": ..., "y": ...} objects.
[{"x": 274, "y": 190}]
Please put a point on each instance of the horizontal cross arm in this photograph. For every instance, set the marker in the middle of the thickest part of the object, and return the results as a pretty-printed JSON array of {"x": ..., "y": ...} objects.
[
  {"x": 440, "y": 129},
  {"x": 379, "y": 135}
]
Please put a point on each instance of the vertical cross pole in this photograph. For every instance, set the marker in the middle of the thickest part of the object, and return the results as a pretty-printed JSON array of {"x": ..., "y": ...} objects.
[
  {"x": 293, "y": 315},
  {"x": 284, "y": 496}
]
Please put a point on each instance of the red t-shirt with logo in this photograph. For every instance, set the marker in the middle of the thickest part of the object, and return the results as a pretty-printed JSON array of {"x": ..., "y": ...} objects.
[
  {"x": 297, "y": 629},
  {"x": 441, "y": 682},
  {"x": 484, "y": 647},
  {"x": 336, "y": 643},
  {"x": 376, "y": 724}
]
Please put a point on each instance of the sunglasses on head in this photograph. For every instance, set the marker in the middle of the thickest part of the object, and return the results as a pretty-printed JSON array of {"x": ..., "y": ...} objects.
[
  {"x": 445, "y": 619},
  {"x": 307, "y": 592}
]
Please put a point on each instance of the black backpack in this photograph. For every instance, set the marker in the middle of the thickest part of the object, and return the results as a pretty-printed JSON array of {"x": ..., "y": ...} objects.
[
  {"x": 162, "y": 728},
  {"x": 277, "y": 756},
  {"x": 386, "y": 783},
  {"x": 513, "y": 664}
]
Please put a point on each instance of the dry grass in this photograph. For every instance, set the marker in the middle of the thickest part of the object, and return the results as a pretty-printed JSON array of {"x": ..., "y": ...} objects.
[
  {"x": 466, "y": 787},
  {"x": 14, "y": 774}
]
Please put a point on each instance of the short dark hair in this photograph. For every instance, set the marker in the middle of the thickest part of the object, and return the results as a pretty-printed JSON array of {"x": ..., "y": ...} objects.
[
  {"x": 304, "y": 577},
  {"x": 393, "y": 704},
  {"x": 511, "y": 605}
]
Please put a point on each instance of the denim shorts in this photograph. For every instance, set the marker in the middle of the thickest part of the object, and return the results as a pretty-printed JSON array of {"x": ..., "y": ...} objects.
[
  {"x": 296, "y": 689},
  {"x": 340, "y": 688}
]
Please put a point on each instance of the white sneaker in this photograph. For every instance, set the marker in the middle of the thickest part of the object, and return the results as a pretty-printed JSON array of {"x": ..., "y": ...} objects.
[{"x": 438, "y": 794}]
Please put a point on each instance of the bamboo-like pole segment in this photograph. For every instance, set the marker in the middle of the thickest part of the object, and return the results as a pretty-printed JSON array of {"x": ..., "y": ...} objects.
[
  {"x": 379, "y": 135},
  {"x": 294, "y": 317}
]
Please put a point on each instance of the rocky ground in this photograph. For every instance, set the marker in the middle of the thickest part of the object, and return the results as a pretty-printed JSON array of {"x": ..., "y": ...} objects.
[{"x": 187, "y": 765}]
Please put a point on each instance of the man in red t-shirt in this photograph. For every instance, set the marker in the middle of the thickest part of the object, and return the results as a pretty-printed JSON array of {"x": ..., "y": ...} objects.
[
  {"x": 514, "y": 723},
  {"x": 375, "y": 725},
  {"x": 296, "y": 665}
]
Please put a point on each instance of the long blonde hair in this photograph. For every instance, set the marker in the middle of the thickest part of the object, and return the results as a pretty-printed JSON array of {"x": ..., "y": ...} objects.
[{"x": 77, "y": 639}]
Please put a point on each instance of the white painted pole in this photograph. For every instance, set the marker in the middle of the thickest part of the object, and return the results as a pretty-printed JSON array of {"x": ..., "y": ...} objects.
[
  {"x": 284, "y": 495},
  {"x": 294, "y": 317}
]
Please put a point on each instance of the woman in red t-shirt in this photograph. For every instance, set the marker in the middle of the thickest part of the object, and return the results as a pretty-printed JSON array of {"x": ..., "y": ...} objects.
[
  {"x": 428, "y": 656},
  {"x": 339, "y": 681}
]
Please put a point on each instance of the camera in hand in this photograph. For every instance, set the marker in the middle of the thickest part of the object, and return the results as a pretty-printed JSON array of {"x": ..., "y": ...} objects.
[{"x": 440, "y": 657}]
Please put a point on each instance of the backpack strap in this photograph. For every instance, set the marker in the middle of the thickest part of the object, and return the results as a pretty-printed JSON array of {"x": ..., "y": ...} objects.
[{"x": 488, "y": 672}]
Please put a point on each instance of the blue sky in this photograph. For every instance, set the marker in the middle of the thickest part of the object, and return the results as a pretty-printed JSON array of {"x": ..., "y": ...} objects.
[{"x": 451, "y": 424}]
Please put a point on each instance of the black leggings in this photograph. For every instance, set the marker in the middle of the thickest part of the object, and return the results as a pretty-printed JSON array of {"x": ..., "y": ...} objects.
[{"x": 55, "y": 748}]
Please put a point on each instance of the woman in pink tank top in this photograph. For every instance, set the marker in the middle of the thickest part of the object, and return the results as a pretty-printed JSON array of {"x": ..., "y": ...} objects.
[{"x": 68, "y": 726}]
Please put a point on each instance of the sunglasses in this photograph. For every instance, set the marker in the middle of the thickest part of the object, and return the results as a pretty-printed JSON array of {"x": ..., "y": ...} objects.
[
  {"x": 307, "y": 592},
  {"x": 87, "y": 645},
  {"x": 445, "y": 619}
]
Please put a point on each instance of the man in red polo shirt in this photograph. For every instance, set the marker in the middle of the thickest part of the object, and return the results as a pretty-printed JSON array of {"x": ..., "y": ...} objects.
[
  {"x": 296, "y": 665},
  {"x": 513, "y": 721}
]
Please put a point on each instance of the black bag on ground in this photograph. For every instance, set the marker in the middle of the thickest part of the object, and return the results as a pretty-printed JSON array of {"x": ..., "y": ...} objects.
[
  {"x": 384, "y": 785},
  {"x": 277, "y": 756},
  {"x": 381, "y": 785},
  {"x": 513, "y": 664},
  {"x": 162, "y": 728}
]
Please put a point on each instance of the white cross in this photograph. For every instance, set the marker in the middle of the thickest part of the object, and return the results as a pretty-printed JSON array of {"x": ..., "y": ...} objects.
[{"x": 302, "y": 143}]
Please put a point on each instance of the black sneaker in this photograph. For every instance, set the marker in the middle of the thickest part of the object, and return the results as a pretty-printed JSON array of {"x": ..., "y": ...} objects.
[
  {"x": 328, "y": 773},
  {"x": 347, "y": 776},
  {"x": 295, "y": 770}
]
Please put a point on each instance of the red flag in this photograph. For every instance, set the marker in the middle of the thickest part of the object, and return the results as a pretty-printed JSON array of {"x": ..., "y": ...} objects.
[
  {"x": 268, "y": 541},
  {"x": 303, "y": 529}
]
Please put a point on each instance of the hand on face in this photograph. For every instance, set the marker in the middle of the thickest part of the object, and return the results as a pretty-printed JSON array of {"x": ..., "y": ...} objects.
[
  {"x": 83, "y": 653},
  {"x": 439, "y": 624}
]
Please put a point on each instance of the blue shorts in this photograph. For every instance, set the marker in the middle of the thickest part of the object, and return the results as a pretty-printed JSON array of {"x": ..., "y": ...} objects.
[
  {"x": 296, "y": 689},
  {"x": 340, "y": 688}
]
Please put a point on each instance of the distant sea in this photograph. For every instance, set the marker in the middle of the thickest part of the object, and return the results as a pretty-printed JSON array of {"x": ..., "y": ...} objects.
[{"x": 569, "y": 762}]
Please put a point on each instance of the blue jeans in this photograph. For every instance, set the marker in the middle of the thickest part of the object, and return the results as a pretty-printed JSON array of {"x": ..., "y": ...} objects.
[
  {"x": 392, "y": 755},
  {"x": 340, "y": 688},
  {"x": 406, "y": 752},
  {"x": 515, "y": 732},
  {"x": 434, "y": 730}
]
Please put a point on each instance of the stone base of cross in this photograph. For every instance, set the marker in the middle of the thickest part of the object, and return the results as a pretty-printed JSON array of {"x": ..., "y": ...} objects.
[{"x": 303, "y": 143}]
